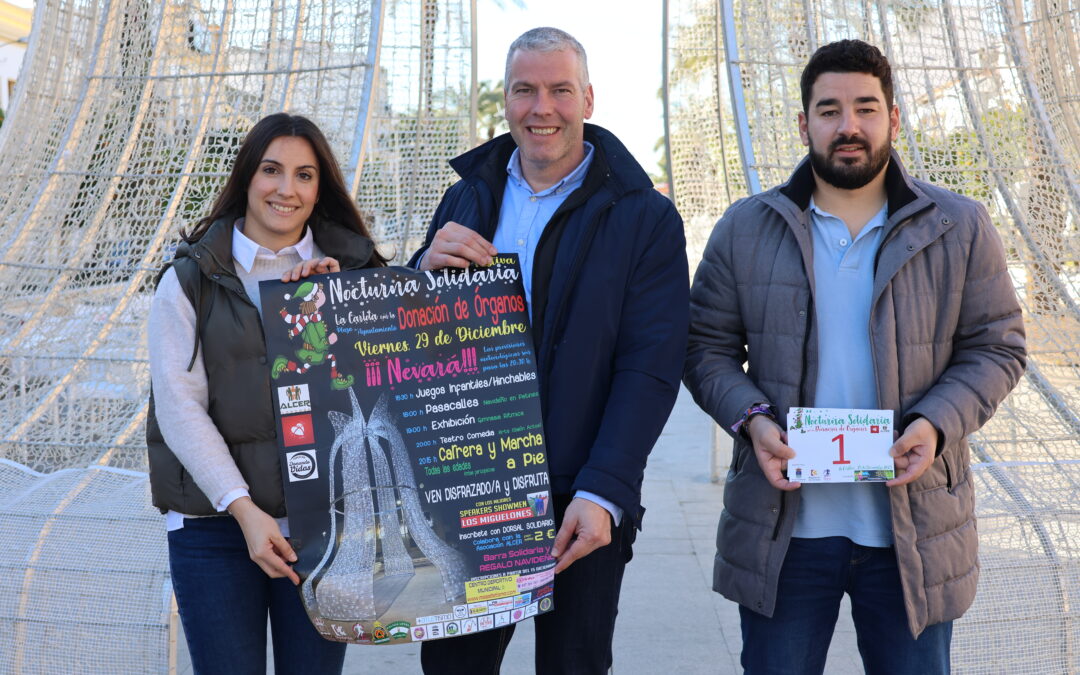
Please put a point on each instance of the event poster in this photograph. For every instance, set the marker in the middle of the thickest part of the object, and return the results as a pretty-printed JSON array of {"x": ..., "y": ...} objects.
[{"x": 412, "y": 450}]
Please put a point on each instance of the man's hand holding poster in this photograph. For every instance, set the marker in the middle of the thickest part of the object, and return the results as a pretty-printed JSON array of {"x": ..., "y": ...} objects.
[{"x": 412, "y": 450}]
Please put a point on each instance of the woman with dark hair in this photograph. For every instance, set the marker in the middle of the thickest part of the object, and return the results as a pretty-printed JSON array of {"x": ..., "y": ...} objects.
[{"x": 211, "y": 433}]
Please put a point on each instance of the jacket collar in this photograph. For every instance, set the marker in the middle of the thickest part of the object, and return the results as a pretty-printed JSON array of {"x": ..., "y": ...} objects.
[
  {"x": 613, "y": 166},
  {"x": 213, "y": 251},
  {"x": 904, "y": 195},
  {"x": 352, "y": 249}
]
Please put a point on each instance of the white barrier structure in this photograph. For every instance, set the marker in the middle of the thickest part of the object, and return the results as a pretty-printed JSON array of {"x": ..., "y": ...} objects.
[
  {"x": 989, "y": 93},
  {"x": 123, "y": 127}
]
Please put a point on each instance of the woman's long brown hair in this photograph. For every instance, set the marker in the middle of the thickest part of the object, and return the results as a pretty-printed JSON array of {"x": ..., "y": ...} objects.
[{"x": 334, "y": 203}]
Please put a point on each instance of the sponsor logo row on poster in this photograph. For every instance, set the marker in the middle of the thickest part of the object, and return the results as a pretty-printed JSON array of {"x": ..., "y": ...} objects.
[
  {"x": 465, "y": 619},
  {"x": 440, "y": 629},
  {"x": 297, "y": 428}
]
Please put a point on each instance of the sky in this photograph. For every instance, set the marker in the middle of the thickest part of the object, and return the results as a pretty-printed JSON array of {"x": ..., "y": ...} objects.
[{"x": 623, "y": 43}]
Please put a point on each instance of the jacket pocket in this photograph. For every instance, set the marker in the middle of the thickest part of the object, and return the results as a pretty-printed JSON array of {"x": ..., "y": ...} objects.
[
  {"x": 948, "y": 472},
  {"x": 739, "y": 450},
  {"x": 736, "y": 457},
  {"x": 185, "y": 483}
]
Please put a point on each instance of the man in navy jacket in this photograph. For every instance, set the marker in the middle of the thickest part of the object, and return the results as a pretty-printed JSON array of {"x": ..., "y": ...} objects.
[{"x": 605, "y": 273}]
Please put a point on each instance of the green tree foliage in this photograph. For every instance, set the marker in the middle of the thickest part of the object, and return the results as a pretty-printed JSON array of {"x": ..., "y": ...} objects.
[{"x": 490, "y": 119}]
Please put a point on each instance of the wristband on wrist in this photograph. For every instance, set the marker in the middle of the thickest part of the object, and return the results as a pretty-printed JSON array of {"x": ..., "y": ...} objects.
[{"x": 756, "y": 409}]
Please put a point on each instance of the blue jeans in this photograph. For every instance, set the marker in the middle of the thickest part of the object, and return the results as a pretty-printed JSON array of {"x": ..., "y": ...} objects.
[
  {"x": 574, "y": 638},
  {"x": 813, "y": 580},
  {"x": 224, "y": 599}
]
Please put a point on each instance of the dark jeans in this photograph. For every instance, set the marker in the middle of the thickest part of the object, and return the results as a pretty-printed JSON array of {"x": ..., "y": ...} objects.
[
  {"x": 575, "y": 637},
  {"x": 813, "y": 580},
  {"x": 224, "y": 599}
]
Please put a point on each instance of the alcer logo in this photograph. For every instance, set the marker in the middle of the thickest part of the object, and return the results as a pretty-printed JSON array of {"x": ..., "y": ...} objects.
[
  {"x": 293, "y": 399},
  {"x": 302, "y": 465}
]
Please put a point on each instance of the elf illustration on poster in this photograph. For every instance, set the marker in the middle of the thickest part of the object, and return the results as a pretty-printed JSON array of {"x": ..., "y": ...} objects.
[
  {"x": 413, "y": 454},
  {"x": 308, "y": 325}
]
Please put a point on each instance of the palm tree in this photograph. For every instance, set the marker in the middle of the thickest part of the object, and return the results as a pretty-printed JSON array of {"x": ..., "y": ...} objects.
[{"x": 489, "y": 110}]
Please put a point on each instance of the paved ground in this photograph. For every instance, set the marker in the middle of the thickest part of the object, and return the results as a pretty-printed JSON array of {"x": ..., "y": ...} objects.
[{"x": 669, "y": 620}]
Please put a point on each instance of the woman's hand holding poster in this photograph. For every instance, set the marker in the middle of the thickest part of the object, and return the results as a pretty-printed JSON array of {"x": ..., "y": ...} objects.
[{"x": 412, "y": 450}]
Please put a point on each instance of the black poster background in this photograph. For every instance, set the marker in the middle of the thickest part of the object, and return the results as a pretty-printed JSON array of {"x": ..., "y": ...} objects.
[{"x": 412, "y": 399}]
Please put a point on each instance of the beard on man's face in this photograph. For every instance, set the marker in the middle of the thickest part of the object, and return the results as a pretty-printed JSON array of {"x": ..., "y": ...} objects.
[{"x": 849, "y": 173}]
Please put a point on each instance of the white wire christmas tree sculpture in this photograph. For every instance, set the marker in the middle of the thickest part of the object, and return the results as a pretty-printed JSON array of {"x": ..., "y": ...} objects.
[
  {"x": 989, "y": 94},
  {"x": 123, "y": 129}
]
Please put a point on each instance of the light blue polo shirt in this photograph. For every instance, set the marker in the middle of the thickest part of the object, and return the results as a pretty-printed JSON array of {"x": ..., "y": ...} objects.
[
  {"x": 844, "y": 283},
  {"x": 524, "y": 214}
]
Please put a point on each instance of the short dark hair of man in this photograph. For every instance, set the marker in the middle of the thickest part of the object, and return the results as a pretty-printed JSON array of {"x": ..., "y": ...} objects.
[{"x": 847, "y": 56}]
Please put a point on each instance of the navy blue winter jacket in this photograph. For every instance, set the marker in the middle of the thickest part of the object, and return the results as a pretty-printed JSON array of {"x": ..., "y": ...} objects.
[{"x": 610, "y": 310}]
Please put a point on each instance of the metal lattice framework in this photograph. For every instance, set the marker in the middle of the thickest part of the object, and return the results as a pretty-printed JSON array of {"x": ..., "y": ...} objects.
[
  {"x": 123, "y": 128},
  {"x": 989, "y": 93}
]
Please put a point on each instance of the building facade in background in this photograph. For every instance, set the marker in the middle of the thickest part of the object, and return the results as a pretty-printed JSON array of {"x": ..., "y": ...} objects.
[{"x": 14, "y": 36}]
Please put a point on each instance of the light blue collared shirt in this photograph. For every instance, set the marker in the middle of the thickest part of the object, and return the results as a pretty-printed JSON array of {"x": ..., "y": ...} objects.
[
  {"x": 524, "y": 214},
  {"x": 844, "y": 283},
  {"x": 522, "y": 218}
]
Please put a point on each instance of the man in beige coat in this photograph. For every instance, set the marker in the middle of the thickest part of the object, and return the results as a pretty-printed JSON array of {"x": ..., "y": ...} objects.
[{"x": 853, "y": 285}]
